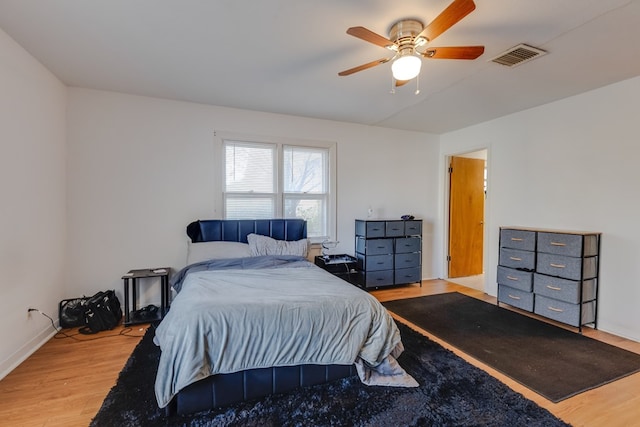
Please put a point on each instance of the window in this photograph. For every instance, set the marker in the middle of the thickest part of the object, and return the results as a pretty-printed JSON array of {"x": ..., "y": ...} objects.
[
  {"x": 250, "y": 181},
  {"x": 280, "y": 179}
]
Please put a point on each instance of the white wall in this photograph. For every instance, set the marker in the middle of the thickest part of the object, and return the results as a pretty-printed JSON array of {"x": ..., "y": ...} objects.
[
  {"x": 32, "y": 211},
  {"x": 140, "y": 169},
  {"x": 570, "y": 165}
]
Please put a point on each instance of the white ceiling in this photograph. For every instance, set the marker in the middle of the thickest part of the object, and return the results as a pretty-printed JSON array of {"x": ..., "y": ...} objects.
[{"x": 283, "y": 56}]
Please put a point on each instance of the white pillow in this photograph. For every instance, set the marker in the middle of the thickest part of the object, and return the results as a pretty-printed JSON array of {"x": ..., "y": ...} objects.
[
  {"x": 264, "y": 245},
  {"x": 203, "y": 251}
]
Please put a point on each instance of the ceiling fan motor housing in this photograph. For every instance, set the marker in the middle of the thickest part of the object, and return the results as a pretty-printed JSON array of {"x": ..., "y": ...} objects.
[{"x": 403, "y": 34}]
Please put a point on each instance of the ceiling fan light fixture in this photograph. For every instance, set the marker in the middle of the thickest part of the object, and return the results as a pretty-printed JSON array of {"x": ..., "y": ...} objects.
[{"x": 406, "y": 67}]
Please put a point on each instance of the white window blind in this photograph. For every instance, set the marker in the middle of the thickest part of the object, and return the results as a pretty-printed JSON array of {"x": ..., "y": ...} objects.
[{"x": 250, "y": 180}]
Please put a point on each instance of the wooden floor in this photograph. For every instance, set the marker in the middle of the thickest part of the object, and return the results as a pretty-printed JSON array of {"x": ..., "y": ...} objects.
[{"x": 65, "y": 381}]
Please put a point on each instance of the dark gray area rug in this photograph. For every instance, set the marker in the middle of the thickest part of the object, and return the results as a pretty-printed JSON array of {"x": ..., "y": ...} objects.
[
  {"x": 554, "y": 362},
  {"x": 452, "y": 393}
]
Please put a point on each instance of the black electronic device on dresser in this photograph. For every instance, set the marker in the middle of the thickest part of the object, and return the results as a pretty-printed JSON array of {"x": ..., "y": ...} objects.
[
  {"x": 553, "y": 273},
  {"x": 388, "y": 252}
]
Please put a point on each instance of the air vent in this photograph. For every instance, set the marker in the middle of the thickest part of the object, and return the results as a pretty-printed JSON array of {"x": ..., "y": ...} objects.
[{"x": 518, "y": 55}]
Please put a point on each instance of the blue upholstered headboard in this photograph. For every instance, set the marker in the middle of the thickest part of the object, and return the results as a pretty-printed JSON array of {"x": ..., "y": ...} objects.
[{"x": 236, "y": 230}]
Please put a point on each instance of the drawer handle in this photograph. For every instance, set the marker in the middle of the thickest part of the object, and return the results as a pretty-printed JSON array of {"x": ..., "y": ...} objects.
[
  {"x": 558, "y": 244},
  {"x": 554, "y": 288},
  {"x": 516, "y": 239},
  {"x": 380, "y": 262},
  {"x": 513, "y": 278},
  {"x": 559, "y": 310},
  {"x": 380, "y": 247},
  {"x": 557, "y": 265},
  {"x": 513, "y": 297},
  {"x": 514, "y": 258}
]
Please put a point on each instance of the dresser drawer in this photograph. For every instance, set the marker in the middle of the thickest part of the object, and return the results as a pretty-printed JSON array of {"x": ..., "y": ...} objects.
[
  {"x": 408, "y": 244},
  {"x": 407, "y": 275},
  {"x": 516, "y": 279},
  {"x": 564, "y": 289},
  {"x": 515, "y": 297},
  {"x": 413, "y": 228},
  {"x": 565, "y": 312},
  {"x": 568, "y": 244},
  {"x": 517, "y": 259},
  {"x": 374, "y": 246},
  {"x": 518, "y": 239},
  {"x": 408, "y": 260},
  {"x": 378, "y": 278},
  {"x": 394, "y": 228},
  {"x": 567, "y": 267},
  {"x": 370, "y": 229},
  {"x": 374, "y": 262}
]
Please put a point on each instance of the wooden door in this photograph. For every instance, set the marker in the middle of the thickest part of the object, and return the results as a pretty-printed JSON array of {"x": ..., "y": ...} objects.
[{"x": 466, "y": 216}]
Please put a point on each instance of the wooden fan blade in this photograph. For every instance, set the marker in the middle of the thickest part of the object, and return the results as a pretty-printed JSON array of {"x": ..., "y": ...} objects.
[
  {"x": 457, "y": 52},
  {"x": 450, "y": 16},
  {"x": 401, "y": 82},
  {"x": 371, "y": 37},
  {"x": 363, "y": 66}
]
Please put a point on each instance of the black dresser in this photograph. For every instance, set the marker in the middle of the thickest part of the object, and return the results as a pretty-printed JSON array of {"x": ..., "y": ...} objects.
[{"x": 388, "y": 252}]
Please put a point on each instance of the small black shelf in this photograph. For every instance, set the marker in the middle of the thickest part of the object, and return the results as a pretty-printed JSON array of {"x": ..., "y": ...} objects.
[{"x": 130, "y": 311}]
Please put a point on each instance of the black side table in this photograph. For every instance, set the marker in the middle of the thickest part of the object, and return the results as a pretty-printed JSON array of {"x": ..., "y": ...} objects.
[
  {"x": 343, "y": 266},
  {"x": 134, "y": 275}
]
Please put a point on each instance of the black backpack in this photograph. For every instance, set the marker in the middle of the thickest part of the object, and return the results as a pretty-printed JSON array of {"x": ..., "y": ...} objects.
[{"x": 102, "y": 312}]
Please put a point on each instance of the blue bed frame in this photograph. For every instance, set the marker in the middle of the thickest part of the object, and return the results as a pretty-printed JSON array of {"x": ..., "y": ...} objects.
[{"x": 226, "y": 389}]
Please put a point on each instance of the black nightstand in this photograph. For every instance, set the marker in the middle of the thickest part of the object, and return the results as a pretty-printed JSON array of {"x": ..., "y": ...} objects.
[
  {"x": 343, "y": 266},
  {"x": 134, "y": 275}
]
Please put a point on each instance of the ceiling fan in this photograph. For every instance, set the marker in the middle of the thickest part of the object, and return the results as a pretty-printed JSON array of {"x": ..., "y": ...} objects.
[{"x": 408, "y": 39}]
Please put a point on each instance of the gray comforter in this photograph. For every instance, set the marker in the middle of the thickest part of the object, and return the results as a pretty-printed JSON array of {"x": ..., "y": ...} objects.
[{"x": 233, "y": 315}]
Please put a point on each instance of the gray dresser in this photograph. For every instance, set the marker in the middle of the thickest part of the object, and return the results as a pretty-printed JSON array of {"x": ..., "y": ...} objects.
[
  {"x": 388, "y": 252},
  {"x": 553, "y": 273}
]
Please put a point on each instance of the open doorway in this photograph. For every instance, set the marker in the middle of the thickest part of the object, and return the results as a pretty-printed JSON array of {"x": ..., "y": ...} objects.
[{"x": 467, "y": 178}]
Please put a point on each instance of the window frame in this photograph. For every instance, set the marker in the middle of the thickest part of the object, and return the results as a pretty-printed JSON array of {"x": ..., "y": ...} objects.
[{"x": 280, "y": 143}]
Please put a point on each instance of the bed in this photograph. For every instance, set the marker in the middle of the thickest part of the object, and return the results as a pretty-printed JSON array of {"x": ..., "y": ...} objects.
[{"x": 254, "y": 317}]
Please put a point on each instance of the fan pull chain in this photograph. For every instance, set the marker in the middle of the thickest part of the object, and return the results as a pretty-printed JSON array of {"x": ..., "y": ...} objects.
[
  {"x": 393, "y": 86},
  {"x": 417, "y": 85}
]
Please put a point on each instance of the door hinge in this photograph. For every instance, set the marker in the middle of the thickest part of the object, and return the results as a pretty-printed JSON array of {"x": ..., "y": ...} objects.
[
  {"x": 450, "y": 169},
  {"x": 448, "y": 257}
]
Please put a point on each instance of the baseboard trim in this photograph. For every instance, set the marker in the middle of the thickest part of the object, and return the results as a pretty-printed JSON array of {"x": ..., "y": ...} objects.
[{"x": 30, "y": 347}]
